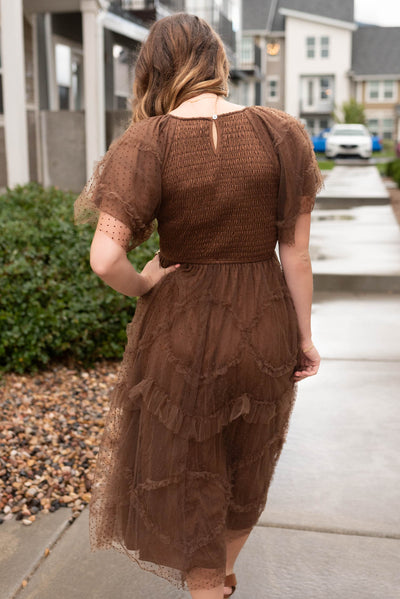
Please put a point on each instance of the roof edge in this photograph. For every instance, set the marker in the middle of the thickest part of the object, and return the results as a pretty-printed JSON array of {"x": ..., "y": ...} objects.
[
  {"x": 271, "y": 14},
  {"x": 380, "y": 76},
  {"x": 306, "y": 16}
]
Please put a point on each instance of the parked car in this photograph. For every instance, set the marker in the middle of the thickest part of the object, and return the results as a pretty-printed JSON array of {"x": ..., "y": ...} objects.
[
  {"x": 348, "y": 139},
  {"x": 377, "y": 145},
  {"x": 319, "y": 141}
]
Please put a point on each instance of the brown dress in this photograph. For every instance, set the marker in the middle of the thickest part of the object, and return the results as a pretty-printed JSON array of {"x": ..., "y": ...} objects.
[{"x": 200, "y": 411}]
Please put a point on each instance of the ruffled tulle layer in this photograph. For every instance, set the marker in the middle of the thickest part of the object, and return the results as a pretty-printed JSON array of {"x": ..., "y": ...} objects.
[{"x": 197, "y": 420}]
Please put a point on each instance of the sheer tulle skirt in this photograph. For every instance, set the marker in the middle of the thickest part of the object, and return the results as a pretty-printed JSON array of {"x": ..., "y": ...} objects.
[{"x": 197, "y": 419}]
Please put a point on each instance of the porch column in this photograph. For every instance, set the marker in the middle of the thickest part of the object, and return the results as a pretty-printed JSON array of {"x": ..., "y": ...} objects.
[
  {"x": 15, "y": 125},
  {"x": 93, "y": 66}
]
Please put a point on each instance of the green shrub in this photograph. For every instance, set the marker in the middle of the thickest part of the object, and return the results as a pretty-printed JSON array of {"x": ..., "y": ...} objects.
[
  {"x": 52, "y": 305},
  {"x": 393, "y": 170}
]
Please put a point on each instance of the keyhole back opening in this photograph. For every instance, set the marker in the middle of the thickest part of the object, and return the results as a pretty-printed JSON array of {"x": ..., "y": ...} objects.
[{"x": 214, "y": 135}]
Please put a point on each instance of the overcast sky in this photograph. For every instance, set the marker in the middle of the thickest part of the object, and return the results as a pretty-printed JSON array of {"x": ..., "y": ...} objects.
[{"x": 378, "y": 12}]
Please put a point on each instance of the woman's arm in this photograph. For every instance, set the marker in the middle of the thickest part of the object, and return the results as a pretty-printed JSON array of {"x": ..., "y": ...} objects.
[
  {"x": 109, "y": 261},
  {"x": 296, "y": 265}
]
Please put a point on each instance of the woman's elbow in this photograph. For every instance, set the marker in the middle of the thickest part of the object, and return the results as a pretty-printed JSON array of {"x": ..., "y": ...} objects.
[
  {"x": 98, "y": 267},
  {"x": 104, "y": 254},
  {"x": 101, "y": 264}
]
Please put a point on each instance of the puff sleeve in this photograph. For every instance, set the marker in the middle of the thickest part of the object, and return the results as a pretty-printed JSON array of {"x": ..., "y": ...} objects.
[
  {"x": 126, "y": 186},
  {"x": 300, "y": 179}
]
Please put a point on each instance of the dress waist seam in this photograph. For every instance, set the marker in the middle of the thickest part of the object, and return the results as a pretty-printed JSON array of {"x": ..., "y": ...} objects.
[{"x": 209, "y": 261}]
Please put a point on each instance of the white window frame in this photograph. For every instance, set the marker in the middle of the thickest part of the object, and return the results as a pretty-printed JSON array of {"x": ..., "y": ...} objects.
[
  {"x": 380, "y": 128},
  {"x": 321, "y": 88},
  {"x": 380, "y": 86},
  {"x": 375, "y": 127},
  {"x": 247, "y": 50},
  {"x": 324, "y": 46},
  {"x": 386, "y": 129},
  {"x": 310, "y": 47},
  {"x": 273, "y": 79},
  {"x": 392, "y": 89},
  {"x": 1, "y": 75},
  {"x": 310, "y": 93},
  {"x": 77, "y": 50}
]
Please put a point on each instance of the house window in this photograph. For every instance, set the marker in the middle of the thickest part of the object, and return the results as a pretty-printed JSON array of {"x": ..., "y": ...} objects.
[
  {"x": 1, "y": 82},
  {"x": 273, "y": 91},
  {"x": 381, "y": 91},
  {"x": 310, "y": 47},
  {"x": 69, "y": 77},
  {"x": 387, "y": 129},
  {"x": 373, "y": 126},
  {"x": 245, "y": 89},
  {"x": 77, "y": 83},
  {"x": 123, "y": 76},
  {"x": 324, "y": 47},
  {"x": 373, "y": 90},
  {"x": 388, "y": 89},
  {"x": 63, "y": 75},
  {"x": 310, "y": 92},
  {"x": 310, "y": 125},
  {"x": 1, "y": 94},
  {"x": 325, "y": 90},
  {"x": 247, "y": 47}
]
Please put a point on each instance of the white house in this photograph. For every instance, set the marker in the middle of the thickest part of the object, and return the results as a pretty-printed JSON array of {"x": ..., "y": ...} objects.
[
  {"x": 313, "y": 56},
  {"x": 318, "y": 54}
]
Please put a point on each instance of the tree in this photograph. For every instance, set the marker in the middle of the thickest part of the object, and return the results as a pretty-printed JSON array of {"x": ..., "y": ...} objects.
[{"x": 353, "y": 112}]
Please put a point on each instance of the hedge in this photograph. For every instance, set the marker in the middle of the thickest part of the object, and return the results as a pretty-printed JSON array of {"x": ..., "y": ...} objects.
[
  {"x": 52, "y": 306},
  {"x": 393, "y": 170}
]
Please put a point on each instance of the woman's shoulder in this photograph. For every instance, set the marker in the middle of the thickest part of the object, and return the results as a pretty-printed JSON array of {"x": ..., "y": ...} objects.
[
  {"x": 278, "y": 116},
  {"x": 280, "y": 125},
  {"x": 145, "y": 134}
]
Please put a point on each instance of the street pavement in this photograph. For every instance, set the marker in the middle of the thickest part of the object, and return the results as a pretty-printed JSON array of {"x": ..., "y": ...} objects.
[{"x": 331, "y": 525}]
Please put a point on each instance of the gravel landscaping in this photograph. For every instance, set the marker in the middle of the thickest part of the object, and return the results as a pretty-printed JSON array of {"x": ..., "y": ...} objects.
[{"x": 49, "y": 435}]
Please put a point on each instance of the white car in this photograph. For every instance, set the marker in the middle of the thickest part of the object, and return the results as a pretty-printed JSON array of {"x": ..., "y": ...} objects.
[{"x": 348, "y": 140}]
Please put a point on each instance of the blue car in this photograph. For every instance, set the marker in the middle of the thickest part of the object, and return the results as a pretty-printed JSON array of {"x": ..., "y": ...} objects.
[{"x": 319, "y": 141}]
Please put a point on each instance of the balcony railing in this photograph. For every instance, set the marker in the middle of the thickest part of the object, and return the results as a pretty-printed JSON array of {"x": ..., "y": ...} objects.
[
  {"x": 322, "y": 107},
  {"x": 174, "y": 5}
]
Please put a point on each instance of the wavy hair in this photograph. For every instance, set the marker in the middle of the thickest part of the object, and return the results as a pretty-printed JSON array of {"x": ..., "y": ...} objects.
[{"x": 181, "y": 57}]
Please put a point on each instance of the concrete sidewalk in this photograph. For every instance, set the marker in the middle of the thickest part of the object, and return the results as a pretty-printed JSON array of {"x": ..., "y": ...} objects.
[
  {"x": 354, "y": 185},
  {"x": 355, "y": 246}
]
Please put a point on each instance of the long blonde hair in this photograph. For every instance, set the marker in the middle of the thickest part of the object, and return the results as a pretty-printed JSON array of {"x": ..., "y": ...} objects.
[{"x": 181, "y": 57}]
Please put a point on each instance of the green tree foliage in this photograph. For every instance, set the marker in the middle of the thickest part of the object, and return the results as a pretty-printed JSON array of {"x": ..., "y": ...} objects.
[{"x": 352, "y": 111}]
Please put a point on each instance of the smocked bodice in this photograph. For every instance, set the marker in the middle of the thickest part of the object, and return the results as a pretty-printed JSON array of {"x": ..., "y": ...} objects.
[{"x": 218, "y": 205}]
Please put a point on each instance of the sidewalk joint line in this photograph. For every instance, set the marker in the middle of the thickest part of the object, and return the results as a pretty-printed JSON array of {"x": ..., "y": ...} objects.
[
  {"x": 345, "y": 532},
  {"x": 384, "y": 360},
  {"x": 58, "y": 535}
]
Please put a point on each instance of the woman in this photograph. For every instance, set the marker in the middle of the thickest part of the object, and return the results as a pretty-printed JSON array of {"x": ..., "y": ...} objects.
[{"x": 221, "y": 333}]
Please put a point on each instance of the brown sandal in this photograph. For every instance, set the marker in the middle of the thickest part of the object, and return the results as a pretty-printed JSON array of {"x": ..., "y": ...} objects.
[{"x": 230, "y": 581}]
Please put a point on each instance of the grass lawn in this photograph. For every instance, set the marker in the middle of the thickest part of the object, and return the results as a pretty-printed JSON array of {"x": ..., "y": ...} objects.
[{"x": 324, "y": 163}]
